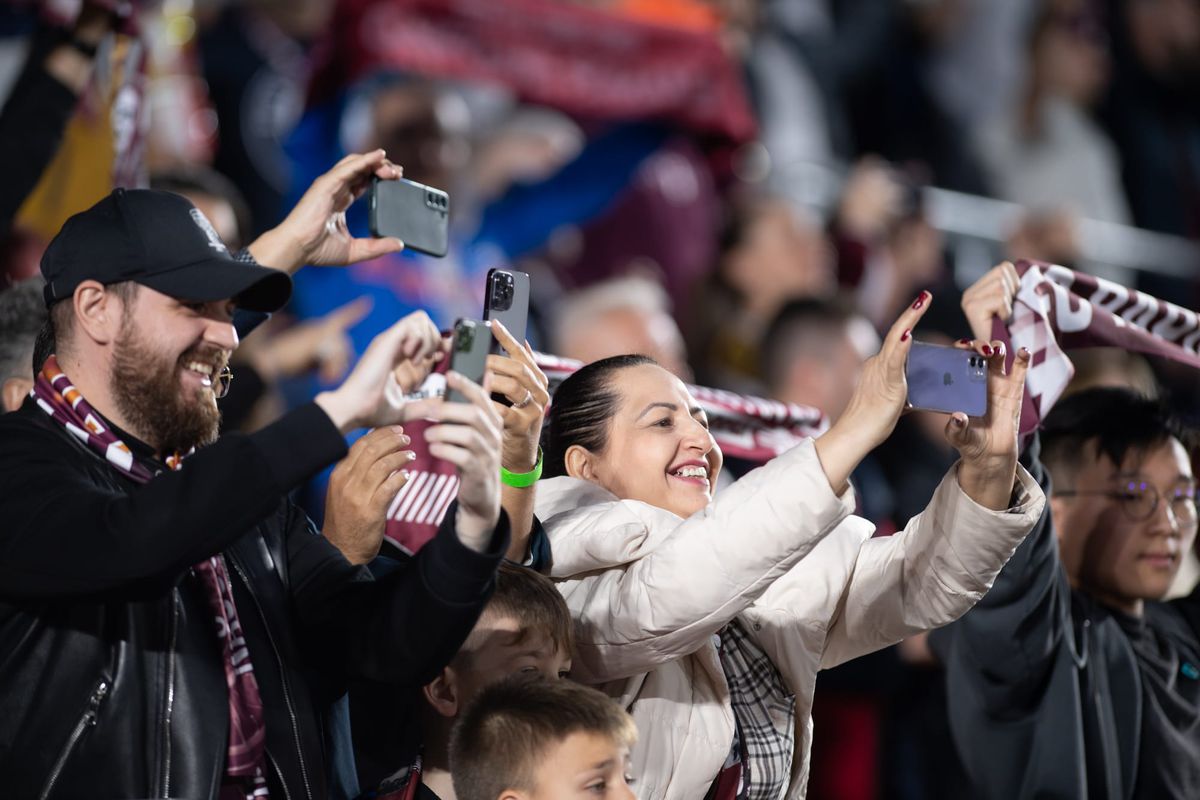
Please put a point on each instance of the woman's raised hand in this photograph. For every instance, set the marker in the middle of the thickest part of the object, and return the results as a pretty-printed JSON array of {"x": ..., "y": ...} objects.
[
  {"x": 518, "y": 378},
  {"x": 988, "y": 444},
  {"x": 876, "y": 404}
]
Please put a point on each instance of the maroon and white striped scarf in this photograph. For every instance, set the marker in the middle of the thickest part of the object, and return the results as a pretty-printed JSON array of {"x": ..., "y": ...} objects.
[
  {"x": 1057, "y": 309},
  {"x": 245, "y": 778}
]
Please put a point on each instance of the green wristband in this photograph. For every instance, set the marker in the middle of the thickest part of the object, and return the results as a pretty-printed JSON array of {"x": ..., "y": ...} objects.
[{"x": 522, "y": 480}]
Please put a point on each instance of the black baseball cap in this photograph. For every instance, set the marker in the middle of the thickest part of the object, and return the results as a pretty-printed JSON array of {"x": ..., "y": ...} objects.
[{"x": 160, "y": 240}]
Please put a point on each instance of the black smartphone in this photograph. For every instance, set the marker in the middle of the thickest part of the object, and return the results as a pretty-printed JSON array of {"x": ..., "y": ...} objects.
[
  {"x": 507, "y": 299},
  {"x": 468, "y": 353},
  {"x": 414, "y": 213},
  {"x": 946, "y": 379}
]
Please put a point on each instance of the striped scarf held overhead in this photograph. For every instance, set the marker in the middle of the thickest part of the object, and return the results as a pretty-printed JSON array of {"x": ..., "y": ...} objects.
[{"x": 245, "y": 778}]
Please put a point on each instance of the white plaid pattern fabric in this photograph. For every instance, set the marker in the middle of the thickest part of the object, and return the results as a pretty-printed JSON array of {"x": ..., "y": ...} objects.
[{"x": 764, "y": 709}]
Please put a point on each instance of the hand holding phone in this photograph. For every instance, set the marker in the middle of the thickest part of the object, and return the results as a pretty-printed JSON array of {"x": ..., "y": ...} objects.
[
  {"x": 412, "y": 212},
  {"x": 946, "y": 380}
]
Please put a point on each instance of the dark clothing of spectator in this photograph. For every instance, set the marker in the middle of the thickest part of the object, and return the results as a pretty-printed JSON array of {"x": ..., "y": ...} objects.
[
  {"x": 255, "y": 75},
  {"x": 31, "y": 129},
  {"x": 894, "y": 114},
  {"x": 1052, "y": 694},
  {"x": 112, "y": 682},
  {"x": 1155, "y": 123}
]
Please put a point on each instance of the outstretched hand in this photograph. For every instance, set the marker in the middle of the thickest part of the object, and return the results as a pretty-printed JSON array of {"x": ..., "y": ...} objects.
[
  {"x": 877, "y": 403},
  {"x": 361, "y": 487},
  {"x": 468, "y": 436},
  {"x": 991, "y": 296},
  {"x": 315, "y": 231},
  {"x": 988, "y": 444},
  {"x": 373, "y": 394},
  {"x": 518, "y": 378}
]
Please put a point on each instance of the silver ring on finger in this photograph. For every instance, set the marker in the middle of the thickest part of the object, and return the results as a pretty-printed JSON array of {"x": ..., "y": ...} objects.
[{"x": 526, "y": 400}]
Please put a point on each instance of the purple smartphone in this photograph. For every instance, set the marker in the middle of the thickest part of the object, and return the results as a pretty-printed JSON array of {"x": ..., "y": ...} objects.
[{"x": 946, "y": 379}]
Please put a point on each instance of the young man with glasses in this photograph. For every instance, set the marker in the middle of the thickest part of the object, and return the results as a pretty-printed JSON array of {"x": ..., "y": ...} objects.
[{"x": 1071, "y": 678}]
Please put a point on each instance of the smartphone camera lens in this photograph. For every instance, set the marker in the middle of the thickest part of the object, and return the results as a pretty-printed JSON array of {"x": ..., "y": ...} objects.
[{"x": 502, "y": 292}]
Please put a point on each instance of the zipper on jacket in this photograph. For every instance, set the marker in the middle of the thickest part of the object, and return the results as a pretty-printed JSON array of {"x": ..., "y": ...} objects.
[
  {"x": 282, "y": 782},
  {"x": 172, "y": 635},
  {"x": 287, "y": 694},
  {"x": 86, "y": 721}
]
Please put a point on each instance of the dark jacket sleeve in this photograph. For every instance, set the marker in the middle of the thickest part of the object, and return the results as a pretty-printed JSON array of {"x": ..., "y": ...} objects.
[
  {"x": 65, "y": 531},
  {"x": 1012, "y": 675},
  {"x": 401, "y": 627},
  {"x": 1008, "y": 642},
  {"x": 31, "y": 129}
]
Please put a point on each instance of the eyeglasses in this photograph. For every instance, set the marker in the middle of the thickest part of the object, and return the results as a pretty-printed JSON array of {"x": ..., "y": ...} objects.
[
  {"x": 1139, "y": 500},
  {"x": 224, "y": 378}
]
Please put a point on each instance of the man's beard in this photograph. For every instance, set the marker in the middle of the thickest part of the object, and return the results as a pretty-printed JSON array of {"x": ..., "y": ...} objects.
[{"x": 147, "y": 390}]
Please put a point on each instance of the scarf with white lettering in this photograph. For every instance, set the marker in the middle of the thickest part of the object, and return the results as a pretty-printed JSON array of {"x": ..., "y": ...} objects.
[
  {"x": 1057, "y": 309},
  {"x": 245, "y": 778}
]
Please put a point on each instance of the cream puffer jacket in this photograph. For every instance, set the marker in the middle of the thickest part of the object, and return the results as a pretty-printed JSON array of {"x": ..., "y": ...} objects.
[{"x": 779, "y": 550}]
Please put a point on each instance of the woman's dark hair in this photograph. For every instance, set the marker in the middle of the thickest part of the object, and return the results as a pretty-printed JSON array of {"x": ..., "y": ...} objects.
[{"x": 582, "y": 406}]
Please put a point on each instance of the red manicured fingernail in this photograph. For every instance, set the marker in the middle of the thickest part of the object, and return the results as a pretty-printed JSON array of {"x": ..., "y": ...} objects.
[
  {"x": 1023, "y": 352},
  {"x": 958, "y": 423},
  {"x": 965, "y": 341},
  {"x": 987, "y": 350},
  {"x": 920, "y": 301},
  {"x": 904, "y": 336}
]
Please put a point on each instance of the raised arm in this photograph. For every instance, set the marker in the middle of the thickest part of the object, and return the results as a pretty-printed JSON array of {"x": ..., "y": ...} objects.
[
  {"x": 1005, "y": 645},
  {"x": 74, "y": 525},
  {"x": 666, "y": 584},
  {"x": 518, "y": 378},
  {"x": 657, "y": 587}
]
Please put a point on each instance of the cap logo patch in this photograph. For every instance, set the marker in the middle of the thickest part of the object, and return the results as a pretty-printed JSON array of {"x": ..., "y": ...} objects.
[{"x": 214, "y": 241}]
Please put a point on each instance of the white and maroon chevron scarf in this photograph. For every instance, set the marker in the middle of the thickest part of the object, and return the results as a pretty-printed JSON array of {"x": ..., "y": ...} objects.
[
  {"x": 245, "y": 778},
  {"x": 1057, "y": 308}
]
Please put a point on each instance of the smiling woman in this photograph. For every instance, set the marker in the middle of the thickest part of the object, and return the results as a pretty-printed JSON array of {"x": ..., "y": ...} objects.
[{"x": 710, "y": 616}]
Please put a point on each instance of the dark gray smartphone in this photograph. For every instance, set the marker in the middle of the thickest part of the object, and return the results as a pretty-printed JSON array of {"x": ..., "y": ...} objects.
[
  {"x": 414, "y": 213},
  {"x": 507, "y": 299},
  {"x": 468, "y": 353},
  {"x": 946, "y": 379}
]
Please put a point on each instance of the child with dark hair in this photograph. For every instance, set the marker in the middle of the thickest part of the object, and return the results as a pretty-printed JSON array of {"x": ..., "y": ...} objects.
[
  {"x": 526, "y": 739},
  {"x": 525, "y": 629},
  {"x": 1071, "y": 678}
]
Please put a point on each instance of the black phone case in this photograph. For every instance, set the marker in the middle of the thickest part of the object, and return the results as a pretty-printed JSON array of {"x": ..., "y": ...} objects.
[
  {"x": 508, "y": 302},
  {"x": 469, "y": 352},
  {"x": 414, "y": 213},
  {"x": 946, "y": 379}
]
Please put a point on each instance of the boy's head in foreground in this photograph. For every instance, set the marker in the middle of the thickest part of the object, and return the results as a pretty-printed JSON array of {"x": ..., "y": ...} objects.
[
  {"x": 527, "y": 738},
  {"x": 525, "y": 628}
]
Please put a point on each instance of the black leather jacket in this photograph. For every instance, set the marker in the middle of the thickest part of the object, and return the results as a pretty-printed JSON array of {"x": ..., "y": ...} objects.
[{"x": 111, "y": 679}]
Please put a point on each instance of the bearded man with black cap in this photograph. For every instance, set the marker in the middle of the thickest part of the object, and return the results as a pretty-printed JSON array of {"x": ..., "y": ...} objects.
[{"x": 170, "y": 625}]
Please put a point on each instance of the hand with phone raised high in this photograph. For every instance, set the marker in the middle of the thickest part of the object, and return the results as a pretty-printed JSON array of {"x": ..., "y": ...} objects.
[
  {"x": 315, "y": 231},
  {"x": 518, "y": 379},
  {"x": 876, "y": 404}
]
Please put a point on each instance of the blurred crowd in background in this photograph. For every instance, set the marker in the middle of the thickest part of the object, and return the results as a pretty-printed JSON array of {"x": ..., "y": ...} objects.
[{"x": 747, "y": 190}]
